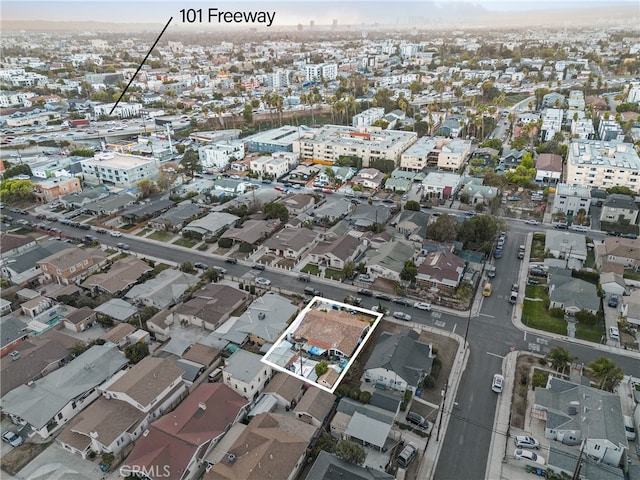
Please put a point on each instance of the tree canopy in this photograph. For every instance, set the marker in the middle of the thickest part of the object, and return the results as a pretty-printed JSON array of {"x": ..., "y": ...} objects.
[
  {"x": 276, "y": 210},
  {"x": 350, "y": 452},
  {"x": 16, "y": 191},
  {"x": 412, "y": 205},
  {"x": 606, "y": 372},
  {"x": 444, "y": 229},
  {"x": 190, "y": 163},
  {"x": 136, "y": 352}
]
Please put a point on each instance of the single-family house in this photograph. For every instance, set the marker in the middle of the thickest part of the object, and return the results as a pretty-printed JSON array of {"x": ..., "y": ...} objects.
[
  {"x": 21, "y": 266},
  {"x": 314, "y": 406},
  {"x": 568, "y": 246},
  {"x": 71, "y": 265},
  {"x": 369, "y": 178},
  {"x": 441, "y": 185},
  {"x": 570, "y": 199},
  {"x": 163, "y": 290},
  {"x": 117, "y": 309},
  {"x": 79, "y": 320},
  {"x": 327, "y": 467},
  {"x": 399, "y": 361},
  {"x": 571, "y": 294},
  {"x": 123, "y": 274},
  {"x": 336, "y": 252},
  {"x": 618, "y": 250},
  {"x": 366, "y": 424},
  {"x": 475, "y": 193},
  {"x": 291, "y": 243},
  {"x": 440, "y": 269},
  {"x": 211, "y": 225},
  {"x": 14, "y": 332},
  {"x": 145, "y": 210},
  {"x": 253, "y": 231},
  {"x": 619, "y": 208},
  {"x": 365, "y": 215},
  {"x": 388, "y": 260},
  {"x": 412, "y": 224},
  {"x": 548, "y": 168},
  {"x": 574, "y": 413},
  {"x": 176, "y": 218},
  {"x": 631, "y": 310},
  {"x": 300, "y": 203},
  {"x": 210, "y": 306},
  {"x": 119, "y": 335},
  {"x": 613, "y": 283},
  {"x": 266, "y": 318},
  {"x": 43, "y": 406},
  {"x": 245, "y": 374}
]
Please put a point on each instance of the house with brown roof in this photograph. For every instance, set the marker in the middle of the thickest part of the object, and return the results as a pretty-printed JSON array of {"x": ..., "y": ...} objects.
[
  {"x": 618, "y": 250},
  {"x": 336, "y": 332},
  {"x": 72, "y": 264},
  {"x": 272, "y": 446},
  {"x": 299, "y": 203},
  {"x": 123, "y": 274},
  {"x": 253, "y": 231},
  {"x": 119, "y": 334},
  {"x": 336, "y": 252},
  {"x": 129, "y": 402},
  {"x": 176, "y": 444},
  {"x": 548, "y": 168},
  {"x": 12, "y": 243},
  {"x": 39, "y": 356},
  {"x": 314, "y": 406},
  {"x": 79, "y": 320},
  {"x": 291, "y": 243},
  {"x": 441, "y": 269},
  {"x": 210, "y": 307},
  {"x": 285, "y": 389}
]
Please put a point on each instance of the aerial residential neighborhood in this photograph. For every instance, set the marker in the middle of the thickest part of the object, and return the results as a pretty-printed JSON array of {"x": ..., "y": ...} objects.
[{"x": 310, "y": 242}]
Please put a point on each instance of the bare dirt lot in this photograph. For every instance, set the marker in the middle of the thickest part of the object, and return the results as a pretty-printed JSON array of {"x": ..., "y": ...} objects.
[{"x": 17, "y": 458}]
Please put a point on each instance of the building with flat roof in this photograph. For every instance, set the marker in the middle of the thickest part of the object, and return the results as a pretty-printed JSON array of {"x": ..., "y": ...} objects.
[
  {"x": 327, "y": 144},
  {"x": 118, "y": 169},
  {"x": 603, "y": 164},
  {"x": 49, "y": 189},
  {"x": 276, "y": 140}
]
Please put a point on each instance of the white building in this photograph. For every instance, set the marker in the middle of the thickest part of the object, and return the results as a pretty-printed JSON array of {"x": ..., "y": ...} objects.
[
  {"x": 218, "y": 155},
  {"x": 454, "y": 154},
  {"x": 329, "y": 143},
  {"x": 603, "y": 164},
  {"x": 323, "y": 71},
  {"x": 368, "y": 117},
  {"x": 119, "y": 169},
  {"x": 123, "y": 110},
  {"x": 276, "y": 165},
  {"x": 245, "y": 373},
  {"x": 551, "y": 123},
  {"x": 583, "y": 128},
  {"x": 610, "y": 130},
  {"x": 569, "y": 199},
  {"x": 634, "y": 92}
]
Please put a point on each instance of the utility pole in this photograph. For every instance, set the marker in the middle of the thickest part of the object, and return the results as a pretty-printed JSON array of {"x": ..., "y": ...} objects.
[
  {"x": 444, "y": 399},
  {"x": 576, "y": 471}
]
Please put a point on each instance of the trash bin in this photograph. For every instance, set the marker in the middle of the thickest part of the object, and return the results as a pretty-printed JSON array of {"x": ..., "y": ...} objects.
[{"x": 528, "y": 468}]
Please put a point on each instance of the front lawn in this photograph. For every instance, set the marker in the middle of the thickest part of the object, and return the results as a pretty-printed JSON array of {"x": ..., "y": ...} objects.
[
  {"x": 592, "y": 333},
  {"x": 535, "y": 316},
  {"x": 333, "y": 274},
  {"x": 143, "y": 232},
  {"x": 631, "y": 274},
  {"x": 161, "y": 236},
  {"x": 311, "y": 269},
  {"x": 185, "y": 242}
]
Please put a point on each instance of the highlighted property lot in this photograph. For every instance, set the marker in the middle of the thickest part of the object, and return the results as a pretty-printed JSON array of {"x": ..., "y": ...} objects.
[{"x": 322, "y": 342}]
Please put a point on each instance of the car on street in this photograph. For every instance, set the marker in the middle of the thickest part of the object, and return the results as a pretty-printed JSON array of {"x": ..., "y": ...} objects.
[
  {"x": 515, "y": 288},
  {"x": 231, "y": 260},
  {"x": 470, "y": 213},
  {"x": 263, "y": 281},
  {"x": 524, "y": 441},
  {"x": 513, "y": 297},
  {"x": 497, "y": 253},
  {"x": 366, "y": 292},
  {"x": 258, "y": 266},
  {"x": 12, "y": 438},
  {"x": 423, "y": 306},
  {"x": 382, "y": 296},
  {"x": 101, "y": 230},
  {"x": 304, "y": 277},
  {"x": 402, "y": 301},
  {"x": 520, "y": 454},
  {"x": 201, "y": 266},
  {"x": 532, "y": 222},
  {"x": 491, "y": 271},
  {"x": 115, "y": 233},
  {"x": 402, "y": 316},
  {"x": 123, "y": 246},
  {"x": 498, "y": 383}
]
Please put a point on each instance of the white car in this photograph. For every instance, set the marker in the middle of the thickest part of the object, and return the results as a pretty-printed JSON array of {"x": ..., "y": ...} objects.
[
  {"x": 614, "y": 333},
  {"x": 423, "y": 306},
  {"x": 115, "y": 233},
  {"x": 524, "y": 441},
  {"x": 263, "y": 281},
  {"x": 521, "y": 454},
  {"x": 532, "y": 222},
  {"x": 402, "y": 316},
  {"x": 498, "y": 383},
  {"x": 12, "y": 438}
]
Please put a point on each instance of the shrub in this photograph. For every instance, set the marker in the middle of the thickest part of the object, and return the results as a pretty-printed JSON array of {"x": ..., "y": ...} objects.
[
  {"x": 355, "y": 393},
  {"x": 586, "y": 318},
  {"x": 429, "y": 382},
  {"x": 343, "y": 390},
  {"x": 365, "y": 397},
  {"x": 539, "y": 379},
  {"x": 225, "y": 243},
  {"x": 556, "y": 312}
]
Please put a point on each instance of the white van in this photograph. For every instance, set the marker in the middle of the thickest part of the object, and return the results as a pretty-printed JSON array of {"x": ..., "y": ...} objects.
[
  {"x": 215, "y": 375},
  {"x": 629, "y": 429}
]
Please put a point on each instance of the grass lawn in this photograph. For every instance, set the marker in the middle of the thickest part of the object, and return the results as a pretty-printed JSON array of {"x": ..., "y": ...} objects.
[
  {"x": 161, "y": 236},
  {"x": 590, "y": 261},
  {"x": 128, "y": 226},
  {"x": 333, "y": 274},
  {"x": 143, "y": 232},
  {"x": 537, "y": 246},
  {"x": 592, "y": 333},
  {"x": 630, "y": 274},
  {"x": 534, "y": 315},
  {"x": 535, "y": 291},
  {"x": 311, "y": 269},
  {"x": 185, "y": 242}
]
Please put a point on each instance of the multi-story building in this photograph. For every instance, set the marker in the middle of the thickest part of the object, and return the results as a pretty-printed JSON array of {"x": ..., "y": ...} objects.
[
  {"x": 329, "y": 143},
  {"x": 276, "y": 165},
  {"x": 368, "y": 117},
  {"x": 218, "y": 155},
  {"x": 576, "y": 100},
  {"x": 122, "y": 110},
  {"x": 583, "y": 128},
  {"x": 70, "y": 265},
  {"x": 323, "y": 71},
  {"x": 610, "y": 130},
  {"x": 118, "y": 169},
  {"x": 551, "y": 123},
  {"x": 51, "y": 188},
  {"x": 603, "y": 164},
  {"x": 569, "y": 199}
]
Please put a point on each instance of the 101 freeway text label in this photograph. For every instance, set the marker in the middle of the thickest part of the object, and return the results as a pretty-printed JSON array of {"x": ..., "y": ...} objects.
[{"x": 213, "y": 15}]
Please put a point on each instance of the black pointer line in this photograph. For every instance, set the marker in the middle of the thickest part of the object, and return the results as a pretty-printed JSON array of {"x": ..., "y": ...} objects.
[{"x": 141, "y": 64}]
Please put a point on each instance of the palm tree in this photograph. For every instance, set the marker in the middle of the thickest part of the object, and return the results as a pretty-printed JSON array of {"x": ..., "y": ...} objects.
[
  {"x": 606, "y": 372},
  {"x": 559, "y": 358}
]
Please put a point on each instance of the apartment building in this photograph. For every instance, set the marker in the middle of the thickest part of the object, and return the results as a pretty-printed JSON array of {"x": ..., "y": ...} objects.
[
  {"x": 368, "y": 117},
  {"x": 603, "y": 164},
  {"x": 610, "y": 130},
  {"x": 71, "y": 265},
  {"x": 50, "y": 189},
  {"x": 122, "y": 110},
  {"x": 329, "y": 143},
  {"x": 218, "y": 155},
  {"x": 583, "y": 128},
  {"x": 276, "y": 165},
  {"x": 118, "y": 169},
  {"x": 323, "y": 71},
  {"x": 551, "y": 123}
]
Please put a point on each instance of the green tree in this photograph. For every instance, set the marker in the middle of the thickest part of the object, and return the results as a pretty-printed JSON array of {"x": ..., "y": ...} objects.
[
  {"x": 147, "y": 312},
  {"x": 350, "y": 452},
  {"x": 16, "y": 191},
  {"x": 409, "y": 271},
  {"x": 147, "y": 187},
  {"x": 212, "y": 275},
  {"x": 187, "y": 267},
  {"x": 78, "y": 348},
  {"x": 349, "y": 269},
  {"x": 622, "y": 190},
  {"x": 190, "y": 163},
  {"x": 606, "y": 372},
  {"x": 247, "y": 113},
  {"x": 559, "y": 358},
  {"x": 82, "y": 152},
  {"x": 276, "y": 210},
  {"x": 15, "y": 170},
  {"x": 412, "y": 205},
  {"x": 478, "y": 233},
  {"x": 444, "y": 229},
  {"x": 136, "y": 352},
  {"x": 321, "y": 368}
]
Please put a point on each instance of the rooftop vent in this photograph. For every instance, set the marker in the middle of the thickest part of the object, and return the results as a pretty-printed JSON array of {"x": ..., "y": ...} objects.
[
  {"x": 261, "y": 316},
  {"x": 231, "y": 458},
  {"x": 202, "y": 405}
]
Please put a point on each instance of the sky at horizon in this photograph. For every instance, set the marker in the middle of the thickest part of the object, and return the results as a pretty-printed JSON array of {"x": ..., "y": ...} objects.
[{"x": 289, "y": 12}]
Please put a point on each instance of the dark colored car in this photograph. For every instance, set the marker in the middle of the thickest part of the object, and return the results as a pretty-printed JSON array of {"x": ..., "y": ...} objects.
[
  {"x": 382, "y": 296},
  {"x": 258, "y": 266},
  {"x": 101, "y": 230},
  {"x": 366, "y": 292},
  {"x": 231, "y": 260}
]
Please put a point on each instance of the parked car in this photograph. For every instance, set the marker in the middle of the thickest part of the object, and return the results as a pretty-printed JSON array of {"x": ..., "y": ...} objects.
[
  {"x": 532, "y": 222},
  {"x": 521, "y": 454},
  {"x": 12, "y": 438},
  {"x": 524, "y": 441},
  {"x": 115, "y": 233},
  {"x": 101, "y": 230},
  {"x": 407, "y": 455},
  {"x": 402, "y": 316},
  {"x": 513, "y": 297},
  {"x": 258, "y": 266},
  {"x": 515, "y": 288},
  {"x": 231, "y": 260},
  {"x": 613, "y": 301},
  {"x": 417, "y": 419},
  {"x": 366, "y": 292},
  {"x": 497, "y": 253},
  {"x": 263, "y": 281},
  {"x": 498, "y": 383},
  {"x": 382, "y": 296},
  {"x": 614, "y": 333},
  {"x": 304, "y": 277},
  {"x": 423, "y": 306},
  {"x": 201, "y": 266},
  {"x": 491, "y": 271},
  {"x": 403, "y": 301},
  {"x": 123, "y": 246}
]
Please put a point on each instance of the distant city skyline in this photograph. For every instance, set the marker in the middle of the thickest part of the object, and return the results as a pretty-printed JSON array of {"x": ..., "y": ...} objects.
[{"x": 288, "y": 13}]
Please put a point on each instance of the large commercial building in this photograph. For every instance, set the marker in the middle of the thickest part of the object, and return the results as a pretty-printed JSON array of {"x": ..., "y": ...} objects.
[
  {"x": 603, "y": 164},
  {"x": 118, "y": 169},
  {"x": 329, "y": 143}
]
